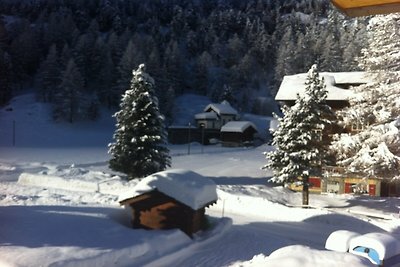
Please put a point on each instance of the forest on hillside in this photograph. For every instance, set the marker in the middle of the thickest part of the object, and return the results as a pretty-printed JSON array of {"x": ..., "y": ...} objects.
[{"x": 81, "y": 53}]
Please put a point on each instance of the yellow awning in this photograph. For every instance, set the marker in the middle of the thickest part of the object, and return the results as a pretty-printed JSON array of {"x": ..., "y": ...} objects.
[{"x": 358, "y": 8}]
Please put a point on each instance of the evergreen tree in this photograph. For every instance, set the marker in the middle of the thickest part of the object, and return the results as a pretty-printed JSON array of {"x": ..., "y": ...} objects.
[
  {"x": 140, "y": 138},
  {"x": 5, "y": 84},
  {"x": 48, "y": 77},
  {"x": 69, "y": 101},
  {"x": 130, "y": 58},
  {"x": 374, "y": 150},
  {"x": 300, "y": 148}
]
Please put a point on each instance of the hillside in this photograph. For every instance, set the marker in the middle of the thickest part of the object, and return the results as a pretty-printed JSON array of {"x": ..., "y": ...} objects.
[{"x": 202, "y": 47}]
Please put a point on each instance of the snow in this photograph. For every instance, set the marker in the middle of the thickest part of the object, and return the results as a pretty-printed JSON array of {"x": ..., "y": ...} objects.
[
  {"x": 305, "y": 257},
  {"x": 295, "y": 84},
  {"x": 59, "y": 205},
  {"x": 186, "y": 106},
  {"x": 223, "y": 108},
  {"x": 386, "y": 245},
  {"x": 187, "y": 187},
  {"x": 340, "y": 240},
  {"x": 237, "y": 126},
  {"x": 206, "y": 115}
]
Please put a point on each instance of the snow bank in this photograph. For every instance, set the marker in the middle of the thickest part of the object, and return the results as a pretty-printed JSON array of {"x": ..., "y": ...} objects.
[
  {"x": 303, "y": 256},
  {"x": 340, "y": 240},
  {"x": 112, "y": 186},
  {"x": 135, "y": 255},
  {"x": 188, "y": 187},
  {"x": 201, "y": 239},
  {"x": 386, "y": 245},
  {"x": 56, "y": 182}
]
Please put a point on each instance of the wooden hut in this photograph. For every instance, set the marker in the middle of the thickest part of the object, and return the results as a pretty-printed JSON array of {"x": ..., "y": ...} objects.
[
  {"x": 238, "y": 133},
  {"x": 170, "y": 199}
]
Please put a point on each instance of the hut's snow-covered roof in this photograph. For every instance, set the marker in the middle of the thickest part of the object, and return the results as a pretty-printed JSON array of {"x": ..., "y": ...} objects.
[
  {"x": 237, "y": 126},
  {"x": 295, "y": 84},
  {"x": 222, "y": 108},
  {"x": 206, "y": 116},
  {"x": 187, "y": 187}
]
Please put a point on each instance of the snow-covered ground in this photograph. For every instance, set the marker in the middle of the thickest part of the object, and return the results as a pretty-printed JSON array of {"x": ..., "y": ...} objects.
[{"x": 58, "y": 205}]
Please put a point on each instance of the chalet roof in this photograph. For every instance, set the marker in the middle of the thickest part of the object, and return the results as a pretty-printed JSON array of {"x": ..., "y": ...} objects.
[
  {"x": 335, "y": 81},
  {"x": 187, "y": 187},
  {"x": 237, "y": 126},
  {"x": 206, "y": 116},
  {"x": 222, "y": 108}
]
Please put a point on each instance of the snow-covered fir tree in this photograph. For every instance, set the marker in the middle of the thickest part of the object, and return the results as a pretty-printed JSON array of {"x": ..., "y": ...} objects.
[
  {"x": 140, "y": 138},
  {"x": 299, "y": 140},
  {"x": 375, "y": 109},
  {"x": 69, "y": 101}
]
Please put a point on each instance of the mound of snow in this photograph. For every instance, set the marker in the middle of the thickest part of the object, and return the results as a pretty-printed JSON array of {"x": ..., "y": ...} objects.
[
  {"x": 107, "y": 186},
  {"x": 298, "y": 255},
  {"x": 340, "y": 240}
]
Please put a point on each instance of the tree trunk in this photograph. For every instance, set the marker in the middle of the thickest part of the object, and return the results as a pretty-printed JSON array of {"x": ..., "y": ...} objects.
[{"x": 305, "y": 191}]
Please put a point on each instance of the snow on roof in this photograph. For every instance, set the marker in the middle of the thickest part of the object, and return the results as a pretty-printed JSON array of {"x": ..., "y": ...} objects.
[
  {"x": 386, "y": 245},
  {"x": 185, "y": 186},
  {"x": 223, "y": 108},
  {"x": 237, "y": 126},
  {"x": 206, "y": 115},
  {"x": 295, "y": 84}
]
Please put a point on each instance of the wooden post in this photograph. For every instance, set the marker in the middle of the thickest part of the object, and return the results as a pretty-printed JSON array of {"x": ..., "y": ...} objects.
[{"x": 305, "y": 190}]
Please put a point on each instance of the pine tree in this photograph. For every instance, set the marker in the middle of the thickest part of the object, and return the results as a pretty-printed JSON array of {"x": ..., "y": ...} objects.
[
  {"x": 5, "y": 84},
  {"x": 130, "y": 58},
  {"x": 48, "y": 78},
  {"x": 374, "y": 150},
  {"x": 69, "y": 100},
  {"x": 300, "y": 148},
  {"x": 140, "y": 138}
]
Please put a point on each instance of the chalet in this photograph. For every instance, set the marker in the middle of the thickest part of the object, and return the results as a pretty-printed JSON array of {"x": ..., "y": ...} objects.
[
  {"x": 216, "y": 115},
  {"x": 338, "y": 85},
  {"x": 238, "y": 133},
  {"x": 170, "y": 199},
  {"x": 337, "y": 180}
]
